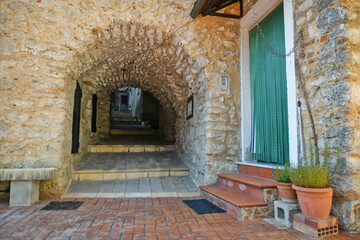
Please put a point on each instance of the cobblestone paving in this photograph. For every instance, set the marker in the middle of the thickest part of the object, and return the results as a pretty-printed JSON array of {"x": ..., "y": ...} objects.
[
  {"x": 157, "y": 218},
  {"x": 145, "y": 160}
]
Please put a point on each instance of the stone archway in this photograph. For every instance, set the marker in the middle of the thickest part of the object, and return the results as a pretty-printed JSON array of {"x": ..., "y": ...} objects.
[
  {"x": 51, "y": 45},
  {"x": 131, "y": 55}
]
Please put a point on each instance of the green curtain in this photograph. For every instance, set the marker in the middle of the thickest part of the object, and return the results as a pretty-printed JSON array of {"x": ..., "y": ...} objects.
[{"x": 270, "y": 140}]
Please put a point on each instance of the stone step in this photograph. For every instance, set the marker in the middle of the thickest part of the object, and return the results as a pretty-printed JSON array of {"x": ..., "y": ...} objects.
[
  {"x": 119, "y": 174},
  {"x": 134, "y": 123},
  {"x": 132, "y": 131},
  {"x": 144, "y": 187},
  {"x": 235, "y": 198},
  {"x": 123, "y": 118},
  {"x": 129, "y": 148},
  {"x": 238, "y": 205},
  {"x": 249, "y": 185}
]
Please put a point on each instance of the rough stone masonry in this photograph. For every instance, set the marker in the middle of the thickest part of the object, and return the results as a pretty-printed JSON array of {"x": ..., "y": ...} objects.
[{"x": 47, "y": 46}]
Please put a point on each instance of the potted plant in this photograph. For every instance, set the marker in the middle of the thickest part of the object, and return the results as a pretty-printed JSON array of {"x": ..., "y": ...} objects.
[
  {"x": 312, "y": 182},
  {"x": 284, "y": 184}
]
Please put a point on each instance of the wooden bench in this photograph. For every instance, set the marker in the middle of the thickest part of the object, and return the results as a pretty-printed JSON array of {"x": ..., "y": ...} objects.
[{"x": 24, "y": 183}]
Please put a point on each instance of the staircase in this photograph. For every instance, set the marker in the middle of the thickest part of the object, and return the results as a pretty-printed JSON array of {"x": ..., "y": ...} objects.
[
  {"x": 131, "y": 165},
  {"x": 249, "y": 194},
  {"x": 126, "y": 124},
  {"x": 132, "y": 152}
]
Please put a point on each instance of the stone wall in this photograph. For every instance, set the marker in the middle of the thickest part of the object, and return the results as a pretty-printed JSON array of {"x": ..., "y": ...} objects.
[
  {"x": 216, "y": 146},
  {"x": 46, "y": 46},
  {"x": 330, "y": 68}
]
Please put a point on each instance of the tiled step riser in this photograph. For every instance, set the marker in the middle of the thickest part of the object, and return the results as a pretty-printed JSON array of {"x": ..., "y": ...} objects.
[
  {"x": 257, "y": 193},
  {"x": 262, "y": 172},
  {"x": 102, "y": 176},
  {"x": 237, "y": 212},
  {"x": 133, "y": 149}
]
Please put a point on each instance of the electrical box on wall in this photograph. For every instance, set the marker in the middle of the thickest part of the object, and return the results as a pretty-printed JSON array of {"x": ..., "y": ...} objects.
[{"x": 224, "y": 82}]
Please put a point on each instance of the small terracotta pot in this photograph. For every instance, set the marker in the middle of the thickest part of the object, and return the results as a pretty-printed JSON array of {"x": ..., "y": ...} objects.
[
  {"x": 315, "y": 202},
  {"x": 286, "y": 192}
]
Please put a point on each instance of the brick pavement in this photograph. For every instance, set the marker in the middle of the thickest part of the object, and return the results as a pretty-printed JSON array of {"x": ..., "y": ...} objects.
[{"x": 136, "y": 218}]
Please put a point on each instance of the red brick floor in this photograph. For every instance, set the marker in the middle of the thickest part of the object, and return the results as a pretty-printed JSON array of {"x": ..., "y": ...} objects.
[{"x": 157, "y": 218}]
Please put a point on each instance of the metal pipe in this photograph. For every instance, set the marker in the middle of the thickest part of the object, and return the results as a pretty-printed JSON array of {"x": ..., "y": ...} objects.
[
  {"x": 199, "y": 5},
  {"x": 301, "y": 137}
]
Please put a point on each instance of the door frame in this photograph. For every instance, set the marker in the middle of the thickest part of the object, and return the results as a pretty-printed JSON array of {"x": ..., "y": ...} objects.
[{"x": 262, "y": 9}]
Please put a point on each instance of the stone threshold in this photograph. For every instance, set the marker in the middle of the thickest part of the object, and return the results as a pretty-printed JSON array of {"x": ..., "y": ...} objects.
[
  {"x": 260, "y": 164},
  {"x": 130, "y": 148},
  {"x": 119, "y": 174},
  {"x": 131, "y": 195}
]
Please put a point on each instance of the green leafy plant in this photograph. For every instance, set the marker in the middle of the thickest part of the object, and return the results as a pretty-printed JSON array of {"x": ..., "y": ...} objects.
[
  {"x": 283, "y": 176},
  {"x": 316, "y": 173}
]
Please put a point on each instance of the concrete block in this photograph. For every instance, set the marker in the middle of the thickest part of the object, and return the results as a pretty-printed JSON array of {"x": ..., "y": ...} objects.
[
  {"x": 24, "y": 193},
  {"x": 284, "y": 212}
]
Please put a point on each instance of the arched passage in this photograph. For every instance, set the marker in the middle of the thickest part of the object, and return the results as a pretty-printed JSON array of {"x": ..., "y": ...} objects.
[{"x": 130, "y": 55}]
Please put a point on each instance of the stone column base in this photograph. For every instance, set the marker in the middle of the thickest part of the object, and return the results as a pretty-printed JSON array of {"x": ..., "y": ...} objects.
[{"x": 24, "y": 193}]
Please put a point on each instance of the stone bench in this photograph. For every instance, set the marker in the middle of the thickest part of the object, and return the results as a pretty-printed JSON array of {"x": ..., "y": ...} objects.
[{"x": 24, "y": 186}]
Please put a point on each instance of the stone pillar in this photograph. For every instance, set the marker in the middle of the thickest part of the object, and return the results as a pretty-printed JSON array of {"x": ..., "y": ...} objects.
[{"x": 24, "y": 193}]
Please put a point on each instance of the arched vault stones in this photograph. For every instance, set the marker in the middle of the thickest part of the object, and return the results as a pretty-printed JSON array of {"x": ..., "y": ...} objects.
[{"x": 132, "y": 55}]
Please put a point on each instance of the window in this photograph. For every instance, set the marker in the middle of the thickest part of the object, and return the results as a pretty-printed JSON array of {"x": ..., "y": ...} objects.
[
  {"x": 94, "y": 114},
  {"x": 76, "y": 119}
]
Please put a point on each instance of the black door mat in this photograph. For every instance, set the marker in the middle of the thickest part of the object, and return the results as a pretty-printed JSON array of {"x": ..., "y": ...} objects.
[
  {"x": 203, "y": 206},
  {"x": 68, "y": 205}
]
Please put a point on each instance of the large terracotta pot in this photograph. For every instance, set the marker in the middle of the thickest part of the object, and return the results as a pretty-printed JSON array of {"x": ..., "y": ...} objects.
[
  {"x": 286, "y": 192},
  {"x": 315, "y": 202}
]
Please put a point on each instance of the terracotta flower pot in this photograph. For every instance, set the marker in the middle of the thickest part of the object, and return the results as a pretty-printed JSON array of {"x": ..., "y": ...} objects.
[
  {"x": 315, "y": 202},
  {"x": 286, "y": 192}
]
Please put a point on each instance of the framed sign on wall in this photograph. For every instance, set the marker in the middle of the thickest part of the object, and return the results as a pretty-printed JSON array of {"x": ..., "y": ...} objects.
[{"x": 190, "y": 107}]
